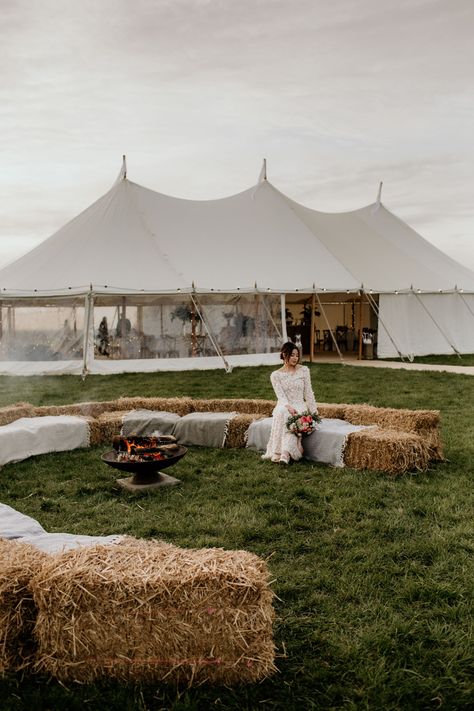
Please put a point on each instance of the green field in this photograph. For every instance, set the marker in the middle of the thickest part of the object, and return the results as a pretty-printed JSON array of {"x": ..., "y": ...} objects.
[{"x": 373, "y": 575}]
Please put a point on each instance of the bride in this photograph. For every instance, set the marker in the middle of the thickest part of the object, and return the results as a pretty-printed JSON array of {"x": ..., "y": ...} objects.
[{"x": 292, "y": 386}]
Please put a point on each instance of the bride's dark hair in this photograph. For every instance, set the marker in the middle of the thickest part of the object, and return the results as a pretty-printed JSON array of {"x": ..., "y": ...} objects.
[{"x": 287, "y": 349}]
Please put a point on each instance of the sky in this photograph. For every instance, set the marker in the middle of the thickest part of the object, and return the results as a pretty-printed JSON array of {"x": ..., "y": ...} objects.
[{"x": 337, "y": 96}]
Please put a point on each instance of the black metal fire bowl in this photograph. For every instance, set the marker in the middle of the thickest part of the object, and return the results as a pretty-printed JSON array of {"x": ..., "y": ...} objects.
[{"x": 146, "y": 475}]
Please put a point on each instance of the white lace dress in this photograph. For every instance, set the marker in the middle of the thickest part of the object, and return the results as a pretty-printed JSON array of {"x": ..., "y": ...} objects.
[{"x": 292, "y": 389}]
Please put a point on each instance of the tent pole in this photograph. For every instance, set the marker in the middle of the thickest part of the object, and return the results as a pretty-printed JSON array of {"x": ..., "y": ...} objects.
[
  {"x": 284, "y": 334},
  {"x": 257, "y": 321},
  {"x": 359, "y": 341},
  {"x": 311, "y": 339},
  {"x": 311, "y": 328},
  {"x": 436, "y": 324},
  {"x": 86, "y": 347},
  {"x": 122, "y": 326},
  {"x": 376, "y": 311},
  {"x": 10, "y": 321},
  {"x": 141, "y": 335},
  {"x": 329, "y": 327},
  {"x": 227, "y": 366}
]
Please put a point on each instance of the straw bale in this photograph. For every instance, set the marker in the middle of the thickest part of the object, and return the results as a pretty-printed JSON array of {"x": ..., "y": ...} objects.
[
  {"x": 237, "y": 429},
  {"x": 388, "y": 450},
  {"x": 179, "y": 405},
  {"x": 144, "y": 610},
  {"x": 18, "y": 563},
  {"x": 259, "y": 407},
  {"x": 399, "y": 419},
  {"x": 104, "y": 427},
  {"x": 86, "y": 409},
  {"x": 424, "y": 422},
  {"x": 14, "y": 412},
  {"x": 331, "y": 411}
]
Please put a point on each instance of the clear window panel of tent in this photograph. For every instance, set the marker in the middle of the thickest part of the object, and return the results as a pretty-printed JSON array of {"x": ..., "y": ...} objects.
[
  {"x": 173, "y": 326},
  {"x": 43, "y": 332}
]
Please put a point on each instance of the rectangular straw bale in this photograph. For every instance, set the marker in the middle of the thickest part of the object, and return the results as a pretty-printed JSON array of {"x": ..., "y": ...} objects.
[
  {"x": 399, "y": 419},
  {"x": 258, "y": 407},
  {"x": 179, "y": 405},
  {"x": 388, "y": 450},
  {"x": 18, "y": 563},
  {"x": 10, "y": 413},
  {"x": 87, "y": 409},
  {"x": 237, "y": 429},
  {"x": 148, "y": 611},
  {"x": 424, "y": 422},
  {"x": 331, "y": 411},
  {"x": 104, "y": 427}
]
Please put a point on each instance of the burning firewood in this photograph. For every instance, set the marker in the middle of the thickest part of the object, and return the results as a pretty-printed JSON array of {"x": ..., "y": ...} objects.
[{"x": 145, "y": 449}]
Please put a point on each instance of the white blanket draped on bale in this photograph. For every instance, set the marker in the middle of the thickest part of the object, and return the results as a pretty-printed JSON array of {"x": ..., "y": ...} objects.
[
  {"x": 29, "y": 436},
  {"x": 17, "y": 526},
  {"x": 204, "y": 429},
  {"x": 326, "y": 444}
]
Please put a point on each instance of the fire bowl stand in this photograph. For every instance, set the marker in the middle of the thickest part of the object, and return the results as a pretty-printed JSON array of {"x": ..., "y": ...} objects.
[
  {"x": 146, "y": 481},
  {"x": 147, "y": 475}
]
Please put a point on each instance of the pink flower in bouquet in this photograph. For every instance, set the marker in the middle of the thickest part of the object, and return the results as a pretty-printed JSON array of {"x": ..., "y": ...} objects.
[{"x": 302, "y": 423}]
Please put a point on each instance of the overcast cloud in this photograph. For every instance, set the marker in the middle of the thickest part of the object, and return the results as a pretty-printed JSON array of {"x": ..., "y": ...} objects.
[{"x": 336, "y": 95}]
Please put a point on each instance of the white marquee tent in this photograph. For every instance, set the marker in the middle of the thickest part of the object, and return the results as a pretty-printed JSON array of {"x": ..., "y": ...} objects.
[{"x": 192, "y": 284}]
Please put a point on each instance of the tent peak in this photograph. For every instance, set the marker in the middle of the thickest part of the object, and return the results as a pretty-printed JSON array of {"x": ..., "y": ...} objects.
[
  {"x": 379, "y": 195},
  {"x": 123, "y": 170},
  {"x": 263, "y": 172}
]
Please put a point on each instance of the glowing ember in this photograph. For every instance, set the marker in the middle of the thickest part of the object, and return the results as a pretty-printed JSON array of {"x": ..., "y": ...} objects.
[{"x": 137, "y": 448}]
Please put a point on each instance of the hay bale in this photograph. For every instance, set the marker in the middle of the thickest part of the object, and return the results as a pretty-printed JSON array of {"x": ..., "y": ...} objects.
[
  {"x": 388, "y": 450},
  {"x": 143, "y": 610},
  {"x": 424, "y": 423},
  {"x": 237, "y": 429},
  {"x": 179, "y": 405},
  {"x": 86, "y": 409},
  {"x": 14, "y": 412},
  {"x": 258, "y": 407},
  {"x": 392, "y": 418},
  {"x": 105, "y": 427},
  {"x": 18, "y": 563},
  {"x": 331, "y": 411}
]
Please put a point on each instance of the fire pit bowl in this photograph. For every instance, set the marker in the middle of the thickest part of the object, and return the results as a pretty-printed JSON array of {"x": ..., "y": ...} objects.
[{"x": 146, "y": 475}]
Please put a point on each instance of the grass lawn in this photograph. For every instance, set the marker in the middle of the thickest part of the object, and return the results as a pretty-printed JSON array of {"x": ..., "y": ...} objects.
[{"x": 373, "y": 575}]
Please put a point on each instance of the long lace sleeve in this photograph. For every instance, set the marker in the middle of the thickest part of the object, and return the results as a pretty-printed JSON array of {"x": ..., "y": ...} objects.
[
  {"x": 309, "y": 398},
  {"x": 279, "y": 391}
]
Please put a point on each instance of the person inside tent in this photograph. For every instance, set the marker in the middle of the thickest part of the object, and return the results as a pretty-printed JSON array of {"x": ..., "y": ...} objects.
[
  {"x": 103, "y": 337},
  {"x": 292, "y": 386}
]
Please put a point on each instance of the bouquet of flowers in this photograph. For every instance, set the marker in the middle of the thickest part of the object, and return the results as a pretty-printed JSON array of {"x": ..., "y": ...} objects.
[{"x": 302, "y": 423}]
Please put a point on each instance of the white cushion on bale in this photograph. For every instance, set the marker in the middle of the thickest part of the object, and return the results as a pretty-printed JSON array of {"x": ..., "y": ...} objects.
[
  {"x": 146, "y": 422},
  {"x": 205, "y": 429},
  {"x": 29, "y": 436},
  {"x": 325, "y": 444},
  {"x": 17, "y": 526}
]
